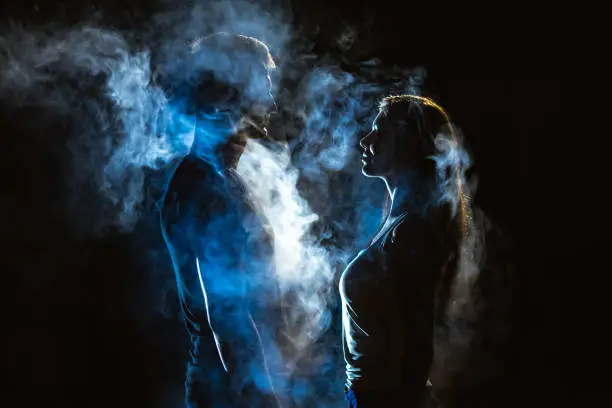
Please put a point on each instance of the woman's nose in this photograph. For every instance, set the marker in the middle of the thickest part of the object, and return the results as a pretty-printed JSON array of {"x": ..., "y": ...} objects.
[{"x": 364, "y": 142}]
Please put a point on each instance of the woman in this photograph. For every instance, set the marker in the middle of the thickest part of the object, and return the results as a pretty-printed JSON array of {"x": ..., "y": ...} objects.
[{"x": 388, "y": 290}]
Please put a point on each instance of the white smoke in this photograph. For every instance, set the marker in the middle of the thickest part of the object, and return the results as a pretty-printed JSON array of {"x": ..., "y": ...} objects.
[
  {"x": 303, "y": 266},
  {"x": 117, "y": 144},
  {"x": 140, "y": 133}
]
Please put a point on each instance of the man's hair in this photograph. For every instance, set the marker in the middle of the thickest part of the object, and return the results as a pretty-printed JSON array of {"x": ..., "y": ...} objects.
[
  {"x": 234, "y": 44},
  {"x": 215, "y": 65}
]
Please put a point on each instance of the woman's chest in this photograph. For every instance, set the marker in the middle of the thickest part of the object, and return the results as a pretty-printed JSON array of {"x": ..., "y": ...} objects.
[{"x": 368, "y": 278}]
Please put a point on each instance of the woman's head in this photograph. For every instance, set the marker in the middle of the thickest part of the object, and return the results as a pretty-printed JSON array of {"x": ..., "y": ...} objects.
[
  {"x": 403, "y": 136},
  {"x": 413, "y": 135}
]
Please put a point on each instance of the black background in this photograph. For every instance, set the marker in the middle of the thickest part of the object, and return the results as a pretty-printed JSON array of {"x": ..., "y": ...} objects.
[{"x": 73, "y": 340}]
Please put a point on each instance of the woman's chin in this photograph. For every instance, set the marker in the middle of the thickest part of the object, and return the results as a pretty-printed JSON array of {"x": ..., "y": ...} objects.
[{"x": 366, "y": 171}]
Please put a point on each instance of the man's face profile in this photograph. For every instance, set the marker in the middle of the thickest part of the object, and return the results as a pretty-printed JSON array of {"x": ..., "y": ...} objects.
[
  {"x": 239, "y": 81},
  {"x": 261, "y": 103}
]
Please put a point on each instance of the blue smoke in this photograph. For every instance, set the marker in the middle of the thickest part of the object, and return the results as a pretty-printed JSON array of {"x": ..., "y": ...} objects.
[
  {"x": 335, "y": 108},
  {"x": 310, "y": 191}
]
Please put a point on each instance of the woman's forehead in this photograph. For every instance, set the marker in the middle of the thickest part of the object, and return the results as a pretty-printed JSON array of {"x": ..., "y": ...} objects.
[{"x": 380, "y": 119}]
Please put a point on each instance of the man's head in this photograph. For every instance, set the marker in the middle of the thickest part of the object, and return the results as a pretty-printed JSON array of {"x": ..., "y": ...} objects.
[
  {"x": 226, "y": 73},
  {"x": 241, "y": 68}
]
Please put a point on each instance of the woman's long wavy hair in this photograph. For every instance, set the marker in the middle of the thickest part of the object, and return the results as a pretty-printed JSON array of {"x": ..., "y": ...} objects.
[{"x": 445, "y": 160}]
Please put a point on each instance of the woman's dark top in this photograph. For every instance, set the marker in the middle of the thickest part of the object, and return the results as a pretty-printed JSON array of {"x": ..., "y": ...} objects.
[{"x": 387, "y": 296}]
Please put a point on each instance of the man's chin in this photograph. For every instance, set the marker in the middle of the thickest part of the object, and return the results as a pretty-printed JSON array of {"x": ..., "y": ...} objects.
[
  {"x": 262, "y": 124},
  {"x": 255, "y": 127}
]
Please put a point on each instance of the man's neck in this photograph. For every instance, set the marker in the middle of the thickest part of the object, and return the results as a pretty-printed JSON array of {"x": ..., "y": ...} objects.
[
  {"x": 230, "y": 155},
  {"x": 224, "y": 157}
]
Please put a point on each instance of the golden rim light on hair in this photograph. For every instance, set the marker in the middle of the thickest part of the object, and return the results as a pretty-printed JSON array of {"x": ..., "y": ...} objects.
[{"x": 463, "y": 198}]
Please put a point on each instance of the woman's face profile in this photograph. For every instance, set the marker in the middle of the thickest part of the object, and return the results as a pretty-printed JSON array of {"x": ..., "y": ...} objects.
[{"x": 378, "y": 148}]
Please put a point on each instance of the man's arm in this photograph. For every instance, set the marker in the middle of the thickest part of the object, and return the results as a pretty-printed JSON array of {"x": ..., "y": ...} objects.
[{"x": 212, "y": 296}]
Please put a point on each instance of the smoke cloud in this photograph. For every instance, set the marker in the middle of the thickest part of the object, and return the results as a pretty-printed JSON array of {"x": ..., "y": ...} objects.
[{"x": 129, "y": 137}]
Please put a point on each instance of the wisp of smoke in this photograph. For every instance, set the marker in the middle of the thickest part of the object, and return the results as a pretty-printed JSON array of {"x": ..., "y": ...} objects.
[
  {"x": 301, "y": 264},
  {"x": 149, "y": 134},
  {"x": 310, "y": 192}
]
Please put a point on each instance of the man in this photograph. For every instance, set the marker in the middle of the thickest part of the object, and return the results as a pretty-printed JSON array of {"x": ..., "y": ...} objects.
[{"x": 220, "y": 247}]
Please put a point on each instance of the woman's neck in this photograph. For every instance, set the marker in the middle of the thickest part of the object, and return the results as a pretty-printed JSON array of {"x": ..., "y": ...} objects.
[{"x": 410, "y": 191}]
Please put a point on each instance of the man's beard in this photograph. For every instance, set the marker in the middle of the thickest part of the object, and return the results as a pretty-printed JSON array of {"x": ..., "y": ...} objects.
[{"x": 254, "y": 127}]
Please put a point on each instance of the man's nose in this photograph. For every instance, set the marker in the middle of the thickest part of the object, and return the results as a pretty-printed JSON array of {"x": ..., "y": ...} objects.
[{"x": 273, "y": 106}]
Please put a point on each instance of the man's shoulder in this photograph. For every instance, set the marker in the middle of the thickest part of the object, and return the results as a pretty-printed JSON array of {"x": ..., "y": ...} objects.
[
  {"x": 193, "y": 185},
  {"x": 192, "y": 172}
]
